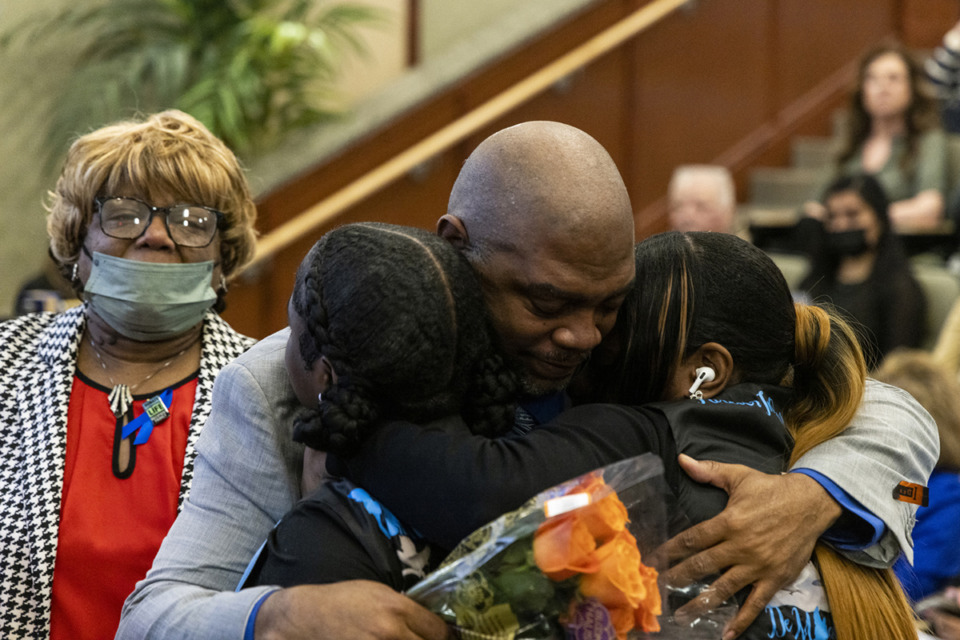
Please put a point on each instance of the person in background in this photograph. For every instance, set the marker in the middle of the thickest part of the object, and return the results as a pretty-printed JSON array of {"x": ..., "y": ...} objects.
[
  {"x": 942, "y": 613},
  {"x": 46, "y": 291},
  {"x": 943, "y": 70},
  {"x": 702, "y": 198},
  {"x": 892, "y": 135},
  {"x": 100, "y": 405},
  {"x": 936, "y": 555},
  {"x": 859, "y": 266}
]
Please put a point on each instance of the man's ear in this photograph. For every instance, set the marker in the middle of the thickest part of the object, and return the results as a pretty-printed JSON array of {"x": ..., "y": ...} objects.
[
  {"x": 718, "y": 358},
  {"x": 452, "y": 229}
]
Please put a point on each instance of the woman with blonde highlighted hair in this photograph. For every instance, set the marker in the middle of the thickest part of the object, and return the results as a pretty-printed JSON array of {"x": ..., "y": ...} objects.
[
  {"x": 710, "y": 358},
  {"x": 100, "y": 405}
]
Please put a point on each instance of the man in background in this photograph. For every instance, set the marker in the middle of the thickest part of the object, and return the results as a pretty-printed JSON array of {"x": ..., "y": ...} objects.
[{"x": 702, "y": 198}]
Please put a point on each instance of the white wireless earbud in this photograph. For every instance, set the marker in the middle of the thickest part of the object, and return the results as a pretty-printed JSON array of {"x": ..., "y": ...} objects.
[{"x": 704, "y": 374}]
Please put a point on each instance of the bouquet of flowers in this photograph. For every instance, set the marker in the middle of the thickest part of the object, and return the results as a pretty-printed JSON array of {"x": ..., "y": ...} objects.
[{"x": 577, "y": 561}]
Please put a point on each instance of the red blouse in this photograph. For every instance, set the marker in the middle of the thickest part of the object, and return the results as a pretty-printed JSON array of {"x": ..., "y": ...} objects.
[{"x": 111, "y": 528}]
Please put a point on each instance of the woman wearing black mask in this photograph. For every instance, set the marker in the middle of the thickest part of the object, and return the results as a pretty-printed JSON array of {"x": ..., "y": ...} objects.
[{"x": 861, "y": 268}]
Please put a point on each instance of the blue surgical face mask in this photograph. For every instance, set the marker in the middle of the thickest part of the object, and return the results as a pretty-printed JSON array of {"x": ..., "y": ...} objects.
[{"x": 149, "y": 301}]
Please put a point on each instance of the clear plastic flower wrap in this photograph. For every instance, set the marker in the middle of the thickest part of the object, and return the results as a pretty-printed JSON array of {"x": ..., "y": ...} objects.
[{"x": 579, "y": 560}]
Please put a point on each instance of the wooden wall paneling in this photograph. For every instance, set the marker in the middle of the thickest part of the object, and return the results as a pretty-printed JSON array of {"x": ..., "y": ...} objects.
[
  {"x": 417, "y": 199},
  {"x": 761, "y": 64},
  {"x": 333, "y": 173},
  {"x": 923, "y": 22},
  {"x": 700, "y": 87},
  {"x": 591, "y": 99},
  {"x": 818, "y": 37},
  {"x": 541, "y": 50}
]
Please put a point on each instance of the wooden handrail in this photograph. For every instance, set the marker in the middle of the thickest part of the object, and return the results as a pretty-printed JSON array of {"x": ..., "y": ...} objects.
[{"x": 461, "y": 128}]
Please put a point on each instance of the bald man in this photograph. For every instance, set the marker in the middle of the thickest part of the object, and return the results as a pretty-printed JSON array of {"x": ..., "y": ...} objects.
[{"x": 541, "y": 212}]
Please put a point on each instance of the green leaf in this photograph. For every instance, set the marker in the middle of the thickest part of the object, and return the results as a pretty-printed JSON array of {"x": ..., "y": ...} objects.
[{"x": 251, "y": 70}]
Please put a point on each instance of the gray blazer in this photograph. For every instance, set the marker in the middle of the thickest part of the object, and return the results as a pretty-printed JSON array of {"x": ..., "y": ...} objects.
[{"x": 247, "y": 475}]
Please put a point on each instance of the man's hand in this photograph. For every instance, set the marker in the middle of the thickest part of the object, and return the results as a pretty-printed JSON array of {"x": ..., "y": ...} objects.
[
  {"x": 763, "y": 537},
  {"x": 358, "y": 609}
]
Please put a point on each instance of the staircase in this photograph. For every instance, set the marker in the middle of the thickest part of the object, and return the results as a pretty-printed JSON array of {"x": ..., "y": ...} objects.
[{"x": 775, "y": 194}]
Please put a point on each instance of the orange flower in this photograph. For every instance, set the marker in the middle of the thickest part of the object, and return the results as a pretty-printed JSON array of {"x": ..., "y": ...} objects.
[
  {"x": 605, "y": 517},
  {"x": 563, "y": 547},
  {"x": 611, "y": 573},
  {"x": 618, "y": 582},
  {"x": 624, "y": 585},
  {"x": 646, "y": 618},
  {"x": 649, "y": 609},
  {"x": 622, "y": 619}
]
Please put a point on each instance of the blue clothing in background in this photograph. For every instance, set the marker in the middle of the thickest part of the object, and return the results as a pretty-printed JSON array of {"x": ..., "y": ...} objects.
[{"x": 936, "y": 551}]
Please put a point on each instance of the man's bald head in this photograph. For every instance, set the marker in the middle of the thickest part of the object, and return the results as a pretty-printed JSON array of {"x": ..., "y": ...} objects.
[
  {"x": 541, "y": 212},
  {"x": 543, "y": 176}
]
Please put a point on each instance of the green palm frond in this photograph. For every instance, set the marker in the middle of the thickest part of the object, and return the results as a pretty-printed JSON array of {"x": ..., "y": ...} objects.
[{"x": 251, "y": 70}]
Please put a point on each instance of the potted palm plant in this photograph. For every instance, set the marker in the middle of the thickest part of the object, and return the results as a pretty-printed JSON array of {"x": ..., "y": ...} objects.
[{"x": 251, "y": 70}]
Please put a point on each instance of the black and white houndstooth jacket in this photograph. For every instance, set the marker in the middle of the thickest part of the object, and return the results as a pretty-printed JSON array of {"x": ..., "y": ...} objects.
[{"x": 38, "y": 355}]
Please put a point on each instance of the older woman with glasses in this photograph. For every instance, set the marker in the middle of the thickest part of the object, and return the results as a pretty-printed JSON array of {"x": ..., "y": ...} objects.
[{"x": 100, "y": 405}]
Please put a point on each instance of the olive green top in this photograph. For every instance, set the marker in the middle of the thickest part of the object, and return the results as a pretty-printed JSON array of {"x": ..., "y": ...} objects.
[{"x": 928, "y": 171}]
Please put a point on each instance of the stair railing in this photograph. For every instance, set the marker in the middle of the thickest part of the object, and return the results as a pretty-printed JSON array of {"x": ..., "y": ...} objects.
[{"x": 524, "y": 90}]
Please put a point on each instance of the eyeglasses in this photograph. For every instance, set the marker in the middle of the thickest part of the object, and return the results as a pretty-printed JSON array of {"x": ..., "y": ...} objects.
[{"x": 188, "y": 225}]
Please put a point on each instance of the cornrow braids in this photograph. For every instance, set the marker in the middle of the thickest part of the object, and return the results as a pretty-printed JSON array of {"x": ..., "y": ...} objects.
[
  {"x": 491, "y": 404},
  {"x": 399, "y": 315}
]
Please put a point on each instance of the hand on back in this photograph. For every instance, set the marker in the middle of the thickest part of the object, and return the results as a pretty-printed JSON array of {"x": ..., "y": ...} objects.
[{"x": 764, "y": 537}]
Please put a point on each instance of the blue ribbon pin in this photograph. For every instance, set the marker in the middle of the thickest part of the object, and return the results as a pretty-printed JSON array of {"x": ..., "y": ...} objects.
[{"x": 155, "y": 411}]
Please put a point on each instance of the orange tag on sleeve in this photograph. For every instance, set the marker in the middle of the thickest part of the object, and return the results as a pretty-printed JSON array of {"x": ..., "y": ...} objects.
[{"x": 910, "y": 492}]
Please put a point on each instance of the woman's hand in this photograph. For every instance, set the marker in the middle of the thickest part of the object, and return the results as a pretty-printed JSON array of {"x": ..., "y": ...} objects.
[{"x": 815, "y": 210}]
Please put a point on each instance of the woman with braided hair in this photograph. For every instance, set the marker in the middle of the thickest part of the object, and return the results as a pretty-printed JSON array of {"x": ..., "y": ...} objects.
[
  {"x": 390, "y": 322},
  {"x": 727, "y": 368},
  {"x": 387, "y": 322}
]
